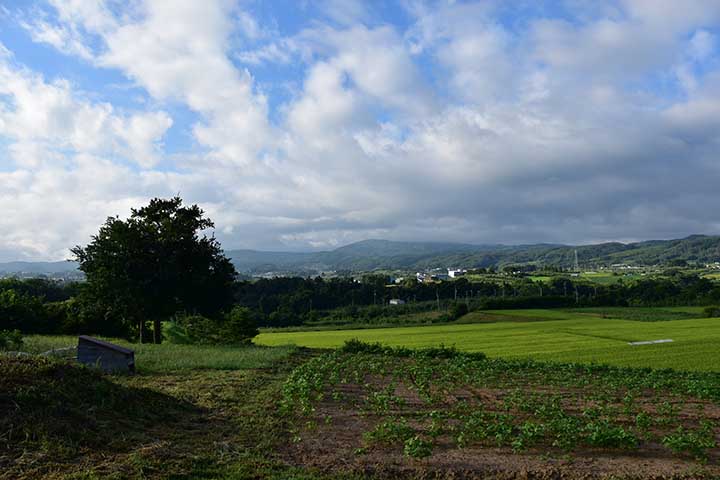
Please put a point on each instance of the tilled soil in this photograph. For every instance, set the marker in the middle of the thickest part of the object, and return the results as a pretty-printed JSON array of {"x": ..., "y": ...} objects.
[{"x": 334, "y": 443}]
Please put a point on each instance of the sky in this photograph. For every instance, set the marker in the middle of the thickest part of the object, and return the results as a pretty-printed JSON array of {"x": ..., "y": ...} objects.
[{"x": 310, "y": 124}]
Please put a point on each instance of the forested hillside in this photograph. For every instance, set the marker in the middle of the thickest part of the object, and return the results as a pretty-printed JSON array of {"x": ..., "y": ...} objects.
[{"x": 374, "y": 254}]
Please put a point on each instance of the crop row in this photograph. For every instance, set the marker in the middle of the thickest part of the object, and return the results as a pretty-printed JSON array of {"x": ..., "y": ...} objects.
[{"x": 418, "y": 399}]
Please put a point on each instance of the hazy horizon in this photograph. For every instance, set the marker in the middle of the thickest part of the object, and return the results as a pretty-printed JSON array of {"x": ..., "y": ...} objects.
[
  {"x": 304, "y": 126},
  {"x": 319, "y": 250}
]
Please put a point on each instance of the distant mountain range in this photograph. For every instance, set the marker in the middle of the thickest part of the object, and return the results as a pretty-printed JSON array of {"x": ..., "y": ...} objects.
[
  {"x": 385, "y": 254},
  {"x": 38, "y": 268}
]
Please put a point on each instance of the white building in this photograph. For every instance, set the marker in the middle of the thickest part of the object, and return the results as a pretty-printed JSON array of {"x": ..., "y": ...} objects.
[
  {"x": 452, "y": 273},
  {"x": 396, "y": 301}
]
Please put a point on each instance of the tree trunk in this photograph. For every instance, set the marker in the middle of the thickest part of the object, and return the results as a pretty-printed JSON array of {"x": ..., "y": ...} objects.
[
  {"x": 142, "y": 331},
  {"x": 157, "y": 331}
]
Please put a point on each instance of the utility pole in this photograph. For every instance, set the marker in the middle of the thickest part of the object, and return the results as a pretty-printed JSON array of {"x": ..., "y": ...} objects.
[
  {"x": 437, "y": 297},
  {"x": 577, "y": 265}
]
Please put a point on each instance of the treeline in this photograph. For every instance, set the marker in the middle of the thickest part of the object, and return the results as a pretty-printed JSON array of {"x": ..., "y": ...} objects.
[
  {"x": 285, "y": 302},
  {"x": 35, "y": 305},
  {"x": 43, "y": 306}
]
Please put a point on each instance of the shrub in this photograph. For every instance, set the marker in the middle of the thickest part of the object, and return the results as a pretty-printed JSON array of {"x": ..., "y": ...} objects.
[
  {"x": 357, "y": 346},
  {"x": 458, "y": 310},
  {"x": 711, "y": 311},
  {"x": 193, "y": 329},
  {"x": 10, "y": 340},
  {"x": 239, "y": 327}
]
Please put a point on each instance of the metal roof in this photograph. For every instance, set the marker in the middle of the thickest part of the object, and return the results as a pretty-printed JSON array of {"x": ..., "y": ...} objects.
[{"x": 108, "y": 345}]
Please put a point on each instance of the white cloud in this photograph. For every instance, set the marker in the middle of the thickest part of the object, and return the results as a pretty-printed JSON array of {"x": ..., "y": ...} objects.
[
  {"x": 37, "y": 112},
  {"x": 702, "y": 45},
  {"x": 63, "y": 38},
  {"x": 462, "y": 126}
]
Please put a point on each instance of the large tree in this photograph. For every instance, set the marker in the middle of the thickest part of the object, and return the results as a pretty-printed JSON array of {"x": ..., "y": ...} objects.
[{"x": 156, "y": 263}]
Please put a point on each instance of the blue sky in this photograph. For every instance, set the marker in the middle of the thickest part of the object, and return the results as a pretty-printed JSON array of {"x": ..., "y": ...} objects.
[{"x": 305, "y": 125}]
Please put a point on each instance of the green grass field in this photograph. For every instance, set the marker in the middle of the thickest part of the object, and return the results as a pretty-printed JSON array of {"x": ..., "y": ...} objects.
[
  {"x": 563, "y": 336},
  {"x": 167, "y": 357}
]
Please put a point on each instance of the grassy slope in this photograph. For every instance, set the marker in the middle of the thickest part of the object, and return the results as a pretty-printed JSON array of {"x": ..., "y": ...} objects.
[{"x": 563, "y": 336}]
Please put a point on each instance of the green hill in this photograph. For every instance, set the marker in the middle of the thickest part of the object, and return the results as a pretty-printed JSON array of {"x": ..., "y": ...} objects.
[{"x": 385, "y": 254}]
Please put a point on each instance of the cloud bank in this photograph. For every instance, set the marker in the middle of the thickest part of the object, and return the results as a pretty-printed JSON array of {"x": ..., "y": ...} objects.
[{"x": 479, "y": 122}]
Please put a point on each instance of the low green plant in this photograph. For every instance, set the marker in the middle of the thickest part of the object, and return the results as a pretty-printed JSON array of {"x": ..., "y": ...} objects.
[
  {"x": 602, "y": 433},
  {"x": 417, "y": 447},
  {"x": 529, "y": 434},
  {"x": 695, "y": 442},
  {"x": 389, "y": 432}
]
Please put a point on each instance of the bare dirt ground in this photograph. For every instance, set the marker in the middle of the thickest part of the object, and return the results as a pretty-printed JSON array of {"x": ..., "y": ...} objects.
[{"x": 338, "y": 445}]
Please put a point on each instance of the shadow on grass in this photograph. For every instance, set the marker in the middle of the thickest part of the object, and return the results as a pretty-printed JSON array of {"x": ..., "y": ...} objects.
[{"x": 60, "y": 410}]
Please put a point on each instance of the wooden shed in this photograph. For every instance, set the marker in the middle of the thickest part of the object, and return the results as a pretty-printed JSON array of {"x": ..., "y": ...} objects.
[{"x": 105, "y": 355}]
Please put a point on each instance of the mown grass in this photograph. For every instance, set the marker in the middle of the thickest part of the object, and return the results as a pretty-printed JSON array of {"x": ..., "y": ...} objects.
[
  {"x": 643, "y": 314},
  {"x": 167, "y": 357},
  {"x": 574, "y": 337},
  {"x": 59, "y": 420}
]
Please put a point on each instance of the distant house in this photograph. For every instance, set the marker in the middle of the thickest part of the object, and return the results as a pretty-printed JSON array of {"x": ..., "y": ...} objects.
[
  {"x": 104, "y": 355},
  {"x": 456, "y": 273},
  {"x": 396, "y": 301}
]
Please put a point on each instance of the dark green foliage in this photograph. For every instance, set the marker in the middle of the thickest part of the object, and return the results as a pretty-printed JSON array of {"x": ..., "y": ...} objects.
[
  {"x": 193, "y": 330},
  {"x": 238, "y": 327},
  {"x": 47, "y": 290},
  {"x": 21, "y": 311},
  {"x": 10, "y": 340},
  {"x": 458, "y": 310},
  {"x": 154, "y": 264},
  {"x": 316, "y": 302},
  {"x": 711, "y": 312},
  {"x": 358, "y": 346}
]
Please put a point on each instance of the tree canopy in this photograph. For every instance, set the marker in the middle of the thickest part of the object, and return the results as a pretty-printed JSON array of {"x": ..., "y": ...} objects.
[{"x": 156, "y": 263}]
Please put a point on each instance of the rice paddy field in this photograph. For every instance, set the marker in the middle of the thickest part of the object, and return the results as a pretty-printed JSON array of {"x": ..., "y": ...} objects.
[{"x": 584, "y": 335}]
